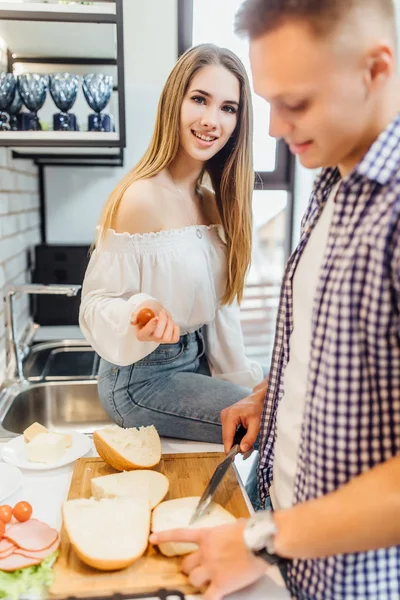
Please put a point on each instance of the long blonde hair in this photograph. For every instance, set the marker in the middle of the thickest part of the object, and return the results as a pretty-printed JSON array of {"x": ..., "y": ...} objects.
[{"x": 230, "y": 170}]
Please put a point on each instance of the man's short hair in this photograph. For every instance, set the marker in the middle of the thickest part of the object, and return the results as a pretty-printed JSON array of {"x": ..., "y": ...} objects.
[{"x": 257, "y": 17}]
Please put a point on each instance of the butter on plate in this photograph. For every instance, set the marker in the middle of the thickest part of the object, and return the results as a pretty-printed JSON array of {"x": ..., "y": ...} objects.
[
  {"x": 33, "y": 430},
  {"x": 46, "y": 448}
]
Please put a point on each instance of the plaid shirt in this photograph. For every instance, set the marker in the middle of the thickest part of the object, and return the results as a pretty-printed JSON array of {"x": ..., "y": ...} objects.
[{"x": 352, "y": 414}]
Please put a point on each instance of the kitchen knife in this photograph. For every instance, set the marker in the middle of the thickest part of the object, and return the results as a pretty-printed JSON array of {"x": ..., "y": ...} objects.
[{"x": 218, "y": 475}]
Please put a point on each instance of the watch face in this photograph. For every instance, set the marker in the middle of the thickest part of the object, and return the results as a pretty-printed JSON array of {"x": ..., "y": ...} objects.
[{"x": 260, "y": 532}]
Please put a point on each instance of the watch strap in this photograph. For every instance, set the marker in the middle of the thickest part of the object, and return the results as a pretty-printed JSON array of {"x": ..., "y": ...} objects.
[{"x": 272, "y": 559}]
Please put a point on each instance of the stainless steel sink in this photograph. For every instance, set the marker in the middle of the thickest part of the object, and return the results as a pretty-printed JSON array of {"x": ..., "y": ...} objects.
[
  {"x": 63, "y": 406},
  {"x": 61, "y": 360}
]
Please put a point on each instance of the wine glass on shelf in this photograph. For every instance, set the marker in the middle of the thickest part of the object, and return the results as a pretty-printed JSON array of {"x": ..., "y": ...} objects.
[
  {"x": 14, "y": 108},
  {"x": 64, "y": 89},
  {"x": 33, "y": 89},
  {"x": 97, "y": 89},
  {"x": 7, "y": 91}
]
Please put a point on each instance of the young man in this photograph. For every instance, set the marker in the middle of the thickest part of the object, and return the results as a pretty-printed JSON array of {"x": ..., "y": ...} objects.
[{"x": 330, "y": 427}]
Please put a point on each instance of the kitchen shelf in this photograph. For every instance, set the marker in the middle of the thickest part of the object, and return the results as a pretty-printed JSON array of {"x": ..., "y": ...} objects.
[
  {"x": 64, "y": 157},
  {"x": 59, "y": 138},
  {"x": 91, "y": 38},
  {"x": 56, "y": 39},
  {"x": 37, "y": 11}
]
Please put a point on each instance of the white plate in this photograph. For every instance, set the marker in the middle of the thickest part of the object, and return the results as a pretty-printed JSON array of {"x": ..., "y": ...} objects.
[
  {"x": 15, "y": 454},
  {"x": 10, "y": 480}
]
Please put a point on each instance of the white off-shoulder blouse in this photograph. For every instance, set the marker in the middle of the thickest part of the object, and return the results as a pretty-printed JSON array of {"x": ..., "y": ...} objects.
[{"x": 185, "y": 270}]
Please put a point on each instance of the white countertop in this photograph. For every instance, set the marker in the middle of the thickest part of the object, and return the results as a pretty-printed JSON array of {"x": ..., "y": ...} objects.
[{"x": 46, "y": 490}]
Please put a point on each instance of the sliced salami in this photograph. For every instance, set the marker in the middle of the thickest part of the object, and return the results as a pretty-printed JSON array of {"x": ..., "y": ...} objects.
[
  {"x": 32, "y": 535},
  {"x": 42, "y": 554},
  {"x": 15, "y": 561}
]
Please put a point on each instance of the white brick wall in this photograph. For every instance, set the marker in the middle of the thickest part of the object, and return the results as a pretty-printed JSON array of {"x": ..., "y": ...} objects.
[{"x": 19, "y": 230}]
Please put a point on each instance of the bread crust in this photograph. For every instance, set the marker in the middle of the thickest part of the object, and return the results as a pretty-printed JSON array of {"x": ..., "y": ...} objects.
[{"x": 114, "y": 458}]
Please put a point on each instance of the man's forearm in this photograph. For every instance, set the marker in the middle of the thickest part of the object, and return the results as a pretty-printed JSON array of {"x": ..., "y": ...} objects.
[
  {"x": 260, "y": 390},
  {"x": 362, "y": 515}
]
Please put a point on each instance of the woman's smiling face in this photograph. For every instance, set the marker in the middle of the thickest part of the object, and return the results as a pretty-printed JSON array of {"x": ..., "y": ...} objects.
[{"x": 209, "y": 112}]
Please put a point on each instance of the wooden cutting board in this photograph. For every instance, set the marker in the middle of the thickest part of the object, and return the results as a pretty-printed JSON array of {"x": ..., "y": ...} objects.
[{"x": 188, "y": 475}]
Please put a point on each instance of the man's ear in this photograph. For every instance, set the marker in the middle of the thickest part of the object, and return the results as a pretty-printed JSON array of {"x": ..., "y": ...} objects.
[{"x": 379, "y": 66}]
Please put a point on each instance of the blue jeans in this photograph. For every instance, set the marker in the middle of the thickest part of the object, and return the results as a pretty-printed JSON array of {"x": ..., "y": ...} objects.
[{"x": 172, "y": 389}]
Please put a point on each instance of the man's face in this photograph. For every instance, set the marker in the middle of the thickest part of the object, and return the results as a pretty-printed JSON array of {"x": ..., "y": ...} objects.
[{"x": 317, "y": 92}]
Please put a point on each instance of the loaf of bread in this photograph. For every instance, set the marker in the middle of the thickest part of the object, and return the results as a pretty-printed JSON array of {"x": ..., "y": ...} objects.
[
  {"x": 108, "y": 534},
  {"x": 127, "y": 449},
  {"x": 141, "y": 483},
  {"x": 174, "y": 514}
]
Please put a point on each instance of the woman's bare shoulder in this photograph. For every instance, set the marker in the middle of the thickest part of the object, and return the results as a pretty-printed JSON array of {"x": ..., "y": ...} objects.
[{"x": 139, "y": 209}]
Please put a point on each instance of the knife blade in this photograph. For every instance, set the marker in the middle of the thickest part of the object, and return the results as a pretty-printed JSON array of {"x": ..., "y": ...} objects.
[{"x": 218, "y": 476}]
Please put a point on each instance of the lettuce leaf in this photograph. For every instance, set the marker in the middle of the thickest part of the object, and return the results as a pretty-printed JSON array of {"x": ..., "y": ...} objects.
[{"x": 31, "y": 582}]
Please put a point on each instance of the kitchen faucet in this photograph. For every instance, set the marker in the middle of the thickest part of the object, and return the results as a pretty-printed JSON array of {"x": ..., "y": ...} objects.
[{"x": 13, "y": 349}]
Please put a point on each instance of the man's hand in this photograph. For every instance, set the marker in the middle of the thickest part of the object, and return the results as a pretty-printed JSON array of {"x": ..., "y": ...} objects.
[
  {"x": 222, "y": 563},
  {"x": 246, "y": 412}
]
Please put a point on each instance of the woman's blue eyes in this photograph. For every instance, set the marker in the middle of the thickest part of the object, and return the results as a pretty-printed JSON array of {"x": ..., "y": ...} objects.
[
  {"x": 199, "y": 99},
  {"x": 227, "y": 108}
]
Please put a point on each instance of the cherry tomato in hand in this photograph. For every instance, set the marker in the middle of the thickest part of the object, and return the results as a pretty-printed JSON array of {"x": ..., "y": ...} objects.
[
  {"x": 22, "y": 511},
  {"x": 5, "y": 513},
  {"x": 2, "y": 529},
  {"x": 144, "y": 316}
]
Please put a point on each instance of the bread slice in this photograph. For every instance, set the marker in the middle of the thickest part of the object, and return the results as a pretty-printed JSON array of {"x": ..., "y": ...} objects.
[
  {"x": 140, "y": 483},
  {"x": 174, "y": 514},
  {"x": 108, "y": 534},
  {"x": 127, "y": 449}
]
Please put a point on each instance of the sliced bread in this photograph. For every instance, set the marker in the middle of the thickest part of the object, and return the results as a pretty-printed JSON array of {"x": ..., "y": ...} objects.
[
  {"x": 108, "y": 534},
  {"x": 138, "y": 483},
  {"x": 174, "y": 514},
  {"x": 127, "y": 449}
]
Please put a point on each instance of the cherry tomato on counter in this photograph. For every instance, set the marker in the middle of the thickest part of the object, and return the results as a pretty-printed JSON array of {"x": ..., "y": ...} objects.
[
  {"x": 5, "y": 513},
  {"x": 22, "y": 511},
  {"x": 144, "y": 316}
]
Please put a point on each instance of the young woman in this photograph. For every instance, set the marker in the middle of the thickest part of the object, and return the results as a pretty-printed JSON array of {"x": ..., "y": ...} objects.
[{"x": 171, "y": 243}]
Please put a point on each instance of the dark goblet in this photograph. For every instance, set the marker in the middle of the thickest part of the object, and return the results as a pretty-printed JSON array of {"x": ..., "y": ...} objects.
[
  {"x": 63, "y": 90},
  {"x": 33, "y": 89},
  {"x": 7, "y": 91},
  {"x": 14, "y": 108},
  {"x": 97, "y": 89}
]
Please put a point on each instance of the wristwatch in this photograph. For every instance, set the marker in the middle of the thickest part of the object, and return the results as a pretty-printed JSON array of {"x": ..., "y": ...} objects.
[{"x": 259, "y": 534}]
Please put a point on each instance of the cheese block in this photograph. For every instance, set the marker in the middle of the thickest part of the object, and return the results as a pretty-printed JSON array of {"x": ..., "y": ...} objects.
[
  {"x": 68, "y": 438},
  {"x": 127, "y": 449},
  {"x": 174, "y": 514},
  {"x": 33, "y": 430},
  {"x": 46, "y": 448},
  {"x": 108, "y": 534},
  {"x": 141, "y": 483}
]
